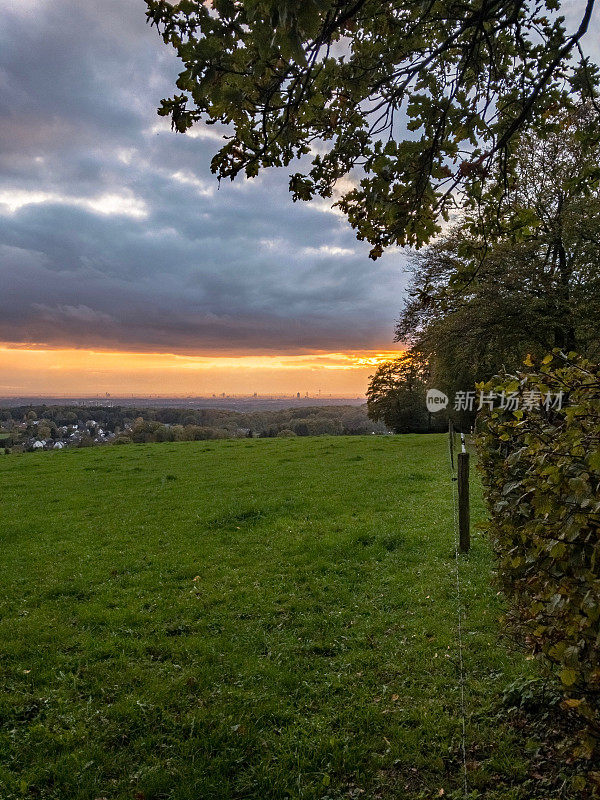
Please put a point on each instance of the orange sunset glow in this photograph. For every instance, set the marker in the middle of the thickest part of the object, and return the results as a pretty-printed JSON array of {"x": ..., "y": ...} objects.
[{"x": 27, "y": 369}]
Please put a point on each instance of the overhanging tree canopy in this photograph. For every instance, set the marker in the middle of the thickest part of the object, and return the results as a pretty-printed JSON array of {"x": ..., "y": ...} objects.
[{"x": 417, "y": 98}]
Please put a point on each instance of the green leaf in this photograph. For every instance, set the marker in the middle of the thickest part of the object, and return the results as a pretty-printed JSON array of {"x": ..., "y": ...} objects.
[{"x": 568, "y": 677}]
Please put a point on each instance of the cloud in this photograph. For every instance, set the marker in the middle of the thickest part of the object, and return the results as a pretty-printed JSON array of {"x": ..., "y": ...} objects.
[
  {"x": 113, "y": 231},
  {"x": 78, "y": 313},
  {"x": 124, "y": 204}
]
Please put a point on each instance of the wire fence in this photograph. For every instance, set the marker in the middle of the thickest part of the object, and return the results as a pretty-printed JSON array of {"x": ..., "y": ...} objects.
[{"x": 459, "y": 602}]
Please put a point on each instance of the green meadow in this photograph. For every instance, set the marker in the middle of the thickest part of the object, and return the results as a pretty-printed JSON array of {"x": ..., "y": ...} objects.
[{"x": 250, "y": 620}]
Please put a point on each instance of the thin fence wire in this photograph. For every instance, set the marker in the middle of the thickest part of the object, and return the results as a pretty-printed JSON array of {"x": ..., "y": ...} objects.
[{"x": 460, "y": 628}]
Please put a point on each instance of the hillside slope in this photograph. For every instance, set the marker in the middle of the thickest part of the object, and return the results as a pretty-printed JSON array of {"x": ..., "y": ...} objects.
[{"x": 246, "y": 619}]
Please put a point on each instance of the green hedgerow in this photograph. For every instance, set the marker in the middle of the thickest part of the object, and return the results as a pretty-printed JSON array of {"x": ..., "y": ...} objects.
[{"x": 541, "y": 473}]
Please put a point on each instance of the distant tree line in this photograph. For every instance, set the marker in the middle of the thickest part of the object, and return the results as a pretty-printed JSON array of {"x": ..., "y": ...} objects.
[{"x": 21, "y": 425}]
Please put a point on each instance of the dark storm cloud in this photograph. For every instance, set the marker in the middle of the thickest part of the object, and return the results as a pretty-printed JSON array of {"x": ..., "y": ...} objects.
[{"x": 113, "y": 232}]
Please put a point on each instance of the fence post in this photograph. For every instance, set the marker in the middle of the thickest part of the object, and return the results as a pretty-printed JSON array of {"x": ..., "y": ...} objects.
[
  {"x": 451, "y": 437},
  {"x": 464, "y": 517}
]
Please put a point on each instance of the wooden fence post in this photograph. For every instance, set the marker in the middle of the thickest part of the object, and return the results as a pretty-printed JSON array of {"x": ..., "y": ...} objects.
[{"x": 464, "y": 517}]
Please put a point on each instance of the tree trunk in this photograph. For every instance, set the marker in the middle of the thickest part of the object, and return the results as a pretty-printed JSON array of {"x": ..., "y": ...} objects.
[{"x": 564, "y": 330}]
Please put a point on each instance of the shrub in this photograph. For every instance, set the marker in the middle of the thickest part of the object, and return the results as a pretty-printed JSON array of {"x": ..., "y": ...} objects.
[
  {"x": 197, "y": 433},
  {"x": 145, "y": 431},
  {"x": 541, "y": 475}
]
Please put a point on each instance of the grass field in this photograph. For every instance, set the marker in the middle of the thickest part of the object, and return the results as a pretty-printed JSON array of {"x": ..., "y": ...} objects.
[{"x": 247, "y": 619}]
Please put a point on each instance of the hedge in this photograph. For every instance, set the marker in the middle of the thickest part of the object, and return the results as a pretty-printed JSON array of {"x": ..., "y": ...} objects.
[{"x": 541, "y": 475}]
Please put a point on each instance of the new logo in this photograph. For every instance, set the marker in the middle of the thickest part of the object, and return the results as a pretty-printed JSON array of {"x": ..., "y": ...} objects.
[{"x": 435, "y": 400}]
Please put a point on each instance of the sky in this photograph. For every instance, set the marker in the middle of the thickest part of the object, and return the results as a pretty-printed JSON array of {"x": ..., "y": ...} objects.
[{"x": 125, "y": 268}]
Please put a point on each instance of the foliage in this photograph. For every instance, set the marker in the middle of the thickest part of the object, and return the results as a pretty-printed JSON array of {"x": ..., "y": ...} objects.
[
  {"x": 250, "y": 618},
  {"x": 417, "y": 99},
  {"x": 285, "y": 433},
  {"x": 541, "y": 473},
  {"x": 396, "y": 395},
  {"x": 173, "y": 424},
  {"x": 551, "y": 203},
  {"x": 523, "y": 281}
]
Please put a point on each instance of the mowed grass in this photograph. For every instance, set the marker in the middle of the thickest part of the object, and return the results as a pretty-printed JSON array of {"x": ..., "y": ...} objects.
[{"x": 247, "y": 619}]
